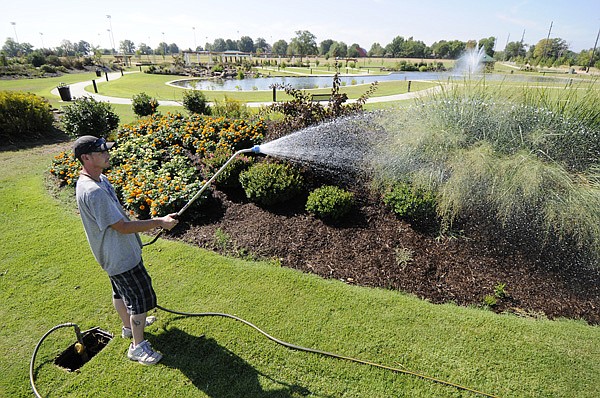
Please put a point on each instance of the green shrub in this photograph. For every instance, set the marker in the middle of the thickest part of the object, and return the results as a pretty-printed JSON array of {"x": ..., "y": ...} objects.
[
  {"x": 271, "y": 183},
  {"x": 23, "y": 115},
  {"x": 411, "y": 203},
  {"x": 36, "y": 58},
  {"x": 48, "y": 68},
  {"x": 231, "y": 108},
  {"x": 144, "y": 105},
  {"x": 194, "y": 101},
  {"x": 329, "y": 202},
  {"x": 86, "y": 116},
  {"x": 230, "y": 176}
]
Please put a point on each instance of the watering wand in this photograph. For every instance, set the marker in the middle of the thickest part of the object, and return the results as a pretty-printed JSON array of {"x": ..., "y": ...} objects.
[{"x": 254, "y": 149}]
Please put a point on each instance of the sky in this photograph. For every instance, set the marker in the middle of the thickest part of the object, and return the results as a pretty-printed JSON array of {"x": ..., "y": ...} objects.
[{"x": 196, "y": 22}]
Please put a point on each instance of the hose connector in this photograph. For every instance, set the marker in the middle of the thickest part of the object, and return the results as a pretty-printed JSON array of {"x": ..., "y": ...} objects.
[{"x": 256, "y": 149}]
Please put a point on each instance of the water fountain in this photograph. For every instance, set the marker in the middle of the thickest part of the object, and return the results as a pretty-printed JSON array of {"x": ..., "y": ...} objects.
[{"x": 470, "y": 63}]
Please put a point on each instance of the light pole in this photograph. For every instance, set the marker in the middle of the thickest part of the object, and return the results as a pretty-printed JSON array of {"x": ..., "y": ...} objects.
[
  {"x": 112, "y": 37},
  {"x": 14, "y": 24},
  {"x": 42, "y": 37},
  {"x": 164, "y": 45},
  {"x": 112, "y": 50},
  {"x": 195, "y": 45}
]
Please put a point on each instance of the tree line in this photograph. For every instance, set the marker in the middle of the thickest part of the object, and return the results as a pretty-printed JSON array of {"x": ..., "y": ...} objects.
[{"x": 546, "y": 52}]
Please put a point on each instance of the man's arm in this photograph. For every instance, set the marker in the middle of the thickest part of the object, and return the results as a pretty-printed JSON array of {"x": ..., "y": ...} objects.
[{"x": 125, "y": 226}]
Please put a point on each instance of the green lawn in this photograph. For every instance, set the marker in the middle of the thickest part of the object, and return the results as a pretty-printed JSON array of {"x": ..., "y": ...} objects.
[
  {"x": 48, "y": 276},
  {"x": 155, "y": 86}
]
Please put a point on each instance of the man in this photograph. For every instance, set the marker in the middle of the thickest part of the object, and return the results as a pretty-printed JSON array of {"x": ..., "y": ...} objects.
[{"x": 116, "y": 245}]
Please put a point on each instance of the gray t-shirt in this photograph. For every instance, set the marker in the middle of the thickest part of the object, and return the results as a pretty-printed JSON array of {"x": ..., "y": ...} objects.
[{"x": 99, "y": 208}]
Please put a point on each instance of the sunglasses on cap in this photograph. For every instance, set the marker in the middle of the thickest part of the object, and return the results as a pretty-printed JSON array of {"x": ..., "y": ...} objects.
[{"x": 98, "y": 146}]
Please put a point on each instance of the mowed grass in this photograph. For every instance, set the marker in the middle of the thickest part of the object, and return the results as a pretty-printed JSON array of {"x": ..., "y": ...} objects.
[
  {"x": 156, "y": 86},
  {"x": 48, "y": 276}
]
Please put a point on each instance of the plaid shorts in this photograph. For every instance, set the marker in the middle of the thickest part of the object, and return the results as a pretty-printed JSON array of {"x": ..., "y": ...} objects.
[{"x": 135, "y": 288}]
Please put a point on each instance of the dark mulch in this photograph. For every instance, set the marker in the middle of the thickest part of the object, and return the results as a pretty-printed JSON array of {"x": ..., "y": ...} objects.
[{"x": 373, "y": 248}]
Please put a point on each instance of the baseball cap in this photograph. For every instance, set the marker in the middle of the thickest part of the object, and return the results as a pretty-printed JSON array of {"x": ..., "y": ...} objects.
[{"x": 89, "y": 143}]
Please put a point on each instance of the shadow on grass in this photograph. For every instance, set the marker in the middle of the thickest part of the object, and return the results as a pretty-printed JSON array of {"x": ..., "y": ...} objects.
[
  {"x": 55, "y": 136},
  {"x": 215, "y": 370}
]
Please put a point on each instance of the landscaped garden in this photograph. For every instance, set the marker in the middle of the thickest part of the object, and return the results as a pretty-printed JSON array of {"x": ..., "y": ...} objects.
[{"x": 487, "y": 204}]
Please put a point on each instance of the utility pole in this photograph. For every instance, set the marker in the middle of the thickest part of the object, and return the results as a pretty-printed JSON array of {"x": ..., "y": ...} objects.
[
  {"x": 14, "y": 24},
  {"x": 547, "y": 41},
  {"x": 593, "y": 52},
  {"x": 506, "y": 45},
  {"x": 112, "y": 37},
  {"x": 195, "y": 45}
]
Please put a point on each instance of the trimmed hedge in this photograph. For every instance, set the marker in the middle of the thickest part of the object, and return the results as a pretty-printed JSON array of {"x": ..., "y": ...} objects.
[
  {"x": 271, "y": 183},
  {"x": 411, "y": 204},
  {"x": 329, "y": 202}
]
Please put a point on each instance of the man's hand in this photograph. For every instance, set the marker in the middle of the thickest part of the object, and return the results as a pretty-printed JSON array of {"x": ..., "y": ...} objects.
[{"x": 169, "y": 221}]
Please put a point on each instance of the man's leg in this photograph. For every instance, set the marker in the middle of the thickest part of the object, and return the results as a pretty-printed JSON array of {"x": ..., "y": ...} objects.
[
  {"x": 122, "y": 311},
  {"x": 138, "y": 323}
]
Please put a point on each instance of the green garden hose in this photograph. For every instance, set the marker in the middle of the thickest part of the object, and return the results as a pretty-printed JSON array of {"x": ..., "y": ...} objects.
[
  {"x": 37, "y": 347},
  {"x": 325, "y": 353},
  {"x": 276, "y": 340}
]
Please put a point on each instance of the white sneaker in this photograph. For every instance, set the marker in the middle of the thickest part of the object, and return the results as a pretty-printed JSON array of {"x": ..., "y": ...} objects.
[
  {"x": 126, "y": 332},
  {"x": 143, "y": 353}
]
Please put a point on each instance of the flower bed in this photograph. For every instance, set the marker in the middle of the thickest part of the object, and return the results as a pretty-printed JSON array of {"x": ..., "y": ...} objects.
[{"x": 152, "y": 168}]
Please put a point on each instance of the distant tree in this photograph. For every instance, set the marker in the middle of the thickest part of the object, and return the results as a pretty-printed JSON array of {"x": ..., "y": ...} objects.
[
  {"x": 394, "y": 49},
  {"x": 376, "y": 50},
  {"x": 11, "y": 47},
  {"x": 231, "y": 45},
  {"x": 550, "y": 48},
  {"x": 471, "y": 44},
  {"x": 162, "y": 49},
  {"x": 324, "y": 46},
  {"x": 304, "y": 43},
  {"x": 514, "y": 49},
  {"x": 219, "y": 45},
  {"x": 280, "y": 47},
  {"x": 457, "y": 47},
  {"x": 441, "y": 49},
  {"x": 488, "y": 44},
  {"x": 173, "y": 48},
  {"x": 67, "y": 48},
  {"x": 262, "y": 45},
  {"x": 144, "y": 49},
  {"x": 246, "y": 44},
  {"x": 354, "y": 51},
  {"x": 338, "y": 49},
  {"x": 82, "y": 47},
  {"x": 127, "y": 47},
  {"x": 26, "y": 48},
  {"x": 413, "y": 49}
]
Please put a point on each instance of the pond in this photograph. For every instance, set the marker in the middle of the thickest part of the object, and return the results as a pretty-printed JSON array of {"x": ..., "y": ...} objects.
[{"x": 309, "y": 82}]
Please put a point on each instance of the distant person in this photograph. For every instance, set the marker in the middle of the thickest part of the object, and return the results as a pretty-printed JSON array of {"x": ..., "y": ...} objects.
[{"x": 116, "y": 245}]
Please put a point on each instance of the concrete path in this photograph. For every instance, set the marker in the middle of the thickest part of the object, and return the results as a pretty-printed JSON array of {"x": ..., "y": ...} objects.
[{"x": 78, "y": 90}]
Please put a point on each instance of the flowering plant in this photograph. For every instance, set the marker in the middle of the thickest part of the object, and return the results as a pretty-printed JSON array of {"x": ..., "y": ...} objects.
[{"x": 152, "y": 167}]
